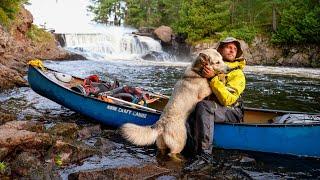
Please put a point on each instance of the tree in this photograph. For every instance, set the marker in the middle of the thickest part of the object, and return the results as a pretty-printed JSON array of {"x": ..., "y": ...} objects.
[
  {"x": 108, "y": 11},
  {"x": 201, "y": 19},
  {"x": 299, "y": 23}
]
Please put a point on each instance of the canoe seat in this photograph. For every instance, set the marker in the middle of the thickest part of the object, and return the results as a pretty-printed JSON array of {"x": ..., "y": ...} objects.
[{"x": 258, "y": 117}]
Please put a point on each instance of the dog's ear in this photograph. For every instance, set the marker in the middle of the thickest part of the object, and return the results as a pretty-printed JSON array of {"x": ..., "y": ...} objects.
[
  {"x": 204, "y": 59},
  {"x": 197, "y": 64}
]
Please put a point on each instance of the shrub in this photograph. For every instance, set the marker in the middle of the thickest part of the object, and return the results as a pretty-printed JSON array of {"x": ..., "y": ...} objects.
[{"x": 39, "y": 35}]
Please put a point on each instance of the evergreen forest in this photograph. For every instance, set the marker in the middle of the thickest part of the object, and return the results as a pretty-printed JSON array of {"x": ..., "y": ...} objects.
[{"x": 285, "y": 21}]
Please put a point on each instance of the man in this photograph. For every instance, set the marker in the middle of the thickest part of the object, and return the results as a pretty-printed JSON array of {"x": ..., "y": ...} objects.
[{"x": 223, "y": 105}]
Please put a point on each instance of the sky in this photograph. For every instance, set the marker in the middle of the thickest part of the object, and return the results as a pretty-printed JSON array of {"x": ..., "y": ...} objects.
[{"x": 65, "y": 16}]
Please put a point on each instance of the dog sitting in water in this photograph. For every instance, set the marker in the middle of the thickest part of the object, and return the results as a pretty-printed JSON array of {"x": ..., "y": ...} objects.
[{"x": 170, "y": 130}]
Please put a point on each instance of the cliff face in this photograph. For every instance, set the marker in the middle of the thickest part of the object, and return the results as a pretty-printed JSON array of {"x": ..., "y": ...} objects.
[
  {"x": 16, "y": 49},
  {"x": 262, "y": 52}
]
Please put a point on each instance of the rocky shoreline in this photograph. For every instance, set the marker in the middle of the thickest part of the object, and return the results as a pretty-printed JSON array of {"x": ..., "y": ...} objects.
[{"x": 16, "y": 49}]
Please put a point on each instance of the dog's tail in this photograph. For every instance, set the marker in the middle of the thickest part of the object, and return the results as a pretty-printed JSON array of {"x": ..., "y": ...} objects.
[{"x": 139, "y": 135}]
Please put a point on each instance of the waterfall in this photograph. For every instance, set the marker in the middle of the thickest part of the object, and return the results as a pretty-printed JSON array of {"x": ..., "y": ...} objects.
[{"x": 115, "y": 43}]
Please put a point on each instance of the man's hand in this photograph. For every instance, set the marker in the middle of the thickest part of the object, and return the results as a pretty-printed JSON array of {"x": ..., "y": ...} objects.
[{"x": 208, "y": 72}]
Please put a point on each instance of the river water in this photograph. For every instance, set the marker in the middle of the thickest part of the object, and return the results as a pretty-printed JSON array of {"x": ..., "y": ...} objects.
[
  {"x": 267, "y": 90},
  {"x": 292, "y": 89}
]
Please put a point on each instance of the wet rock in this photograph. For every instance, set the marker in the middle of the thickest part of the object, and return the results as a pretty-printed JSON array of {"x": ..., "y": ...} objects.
[
  {"x": 88, "y": 132},
  {"x": 164, "y": 33},
  {"x": 146, "y": 30},
  {"x": 65, "y": 129},
  {"x": 4, "y": 117},
  {"x": 4, "y": 152},
  {"x": 71, "y": 152},
  {"x": 104, "y": 145},
  {"x": 142, "y": 172},
  {"x": 14, "y": 133},
  {"x": 25, "y": 163},
  {"x": 246, "y": 159},
  {"x": 72, "y": 56},
  {"x": 10, "y": 78},
  {"x": 16, "y": 49},
  {"x": 14, "y": 137},
  {"x": 19, "y": 125},
  {"x": 30, "y": 166},
  {"x": 299, "y": 59},
  {"x": 152, "y": 56}
]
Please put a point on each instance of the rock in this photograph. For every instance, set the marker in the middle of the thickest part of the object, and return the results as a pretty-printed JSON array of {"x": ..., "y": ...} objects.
[
  {"x": 14, "y": 137},
  {"x": 65, "y": 129},
  {"x": 4, "y": 152},
  {"x": 14, "y": 134},
  {"x": 151, "y": 56},
  {"x": 149, "y": 171},
  {"x": 25, "y": 163},
  {"x": 88, "y": 132},
  {"x": 71, "y": 152},
  {"x": 19, "y": 125},
  {"x": 4, "y": 117},
  {"x": 246, "y": 159},
  {"x": 73, "y": 56},
  {"x": 16, "y": 49},
  {"x": 146, "y": 30},
  {"x": 299, "y": 59},
  {"x": 164, "y": 33},
  {"x": 10, "y": 78},
  {"x": 104, "y": 145},
  {"x": 30, "y": 166}
]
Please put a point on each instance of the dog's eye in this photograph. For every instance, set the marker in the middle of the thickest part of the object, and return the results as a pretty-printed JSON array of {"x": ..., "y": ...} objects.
[{"x": 218, "y": 62}]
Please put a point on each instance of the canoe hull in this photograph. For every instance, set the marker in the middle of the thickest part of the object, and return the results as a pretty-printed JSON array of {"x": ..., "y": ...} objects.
[
  {"x": 106, "y": 113},
  {"x": 299, "y": 140}
]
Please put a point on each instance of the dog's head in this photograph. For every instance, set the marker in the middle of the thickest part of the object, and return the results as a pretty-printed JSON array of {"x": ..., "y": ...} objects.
[{"x": 210, "y": 58}]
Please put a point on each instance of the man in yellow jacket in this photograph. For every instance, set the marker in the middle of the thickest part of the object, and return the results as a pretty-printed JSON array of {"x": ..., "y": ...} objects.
[{"x": 223, "y": 105}]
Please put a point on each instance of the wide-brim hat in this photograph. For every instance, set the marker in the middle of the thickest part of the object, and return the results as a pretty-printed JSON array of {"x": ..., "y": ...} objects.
[{"x": 229, "y": 40}]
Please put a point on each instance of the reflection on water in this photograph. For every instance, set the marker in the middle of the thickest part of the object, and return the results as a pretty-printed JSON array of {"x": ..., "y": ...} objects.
[{"x": 282, "y": 92}]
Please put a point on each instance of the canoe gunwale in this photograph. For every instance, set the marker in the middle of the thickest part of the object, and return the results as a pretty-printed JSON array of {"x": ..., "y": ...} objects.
[{"x": 268, "y": 125}]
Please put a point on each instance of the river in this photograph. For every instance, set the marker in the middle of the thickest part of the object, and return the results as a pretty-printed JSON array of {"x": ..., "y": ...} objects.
[{"x": 293, "y": 89}]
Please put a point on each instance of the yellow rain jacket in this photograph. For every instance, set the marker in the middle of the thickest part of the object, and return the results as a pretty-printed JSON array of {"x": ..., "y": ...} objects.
[{"x": 228, "y": 93}]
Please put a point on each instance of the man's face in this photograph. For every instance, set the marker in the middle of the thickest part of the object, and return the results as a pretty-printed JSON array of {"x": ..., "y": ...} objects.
[{"x": 229, "y": 51}]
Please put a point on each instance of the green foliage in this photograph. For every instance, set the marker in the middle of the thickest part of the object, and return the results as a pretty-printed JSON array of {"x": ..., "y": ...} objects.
[
  {"x": 299, "y": 23},
  {"x": 8, "y": 11},
  {"x": 201, "y": 19},
  {"x": 287, "y": 21},
  {"x": 39, "y": 35},
  {"x": 142, "y": 13},
  {"x": 4, "y": 19},
  {"x": 108, "y": 10},
  {"x": 58, "y": 160},
  {"x": 3, "y": 167},
  {"x": 245, "y": 33}
]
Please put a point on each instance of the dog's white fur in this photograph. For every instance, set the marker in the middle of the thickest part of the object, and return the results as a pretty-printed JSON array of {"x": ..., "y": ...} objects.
[{"x": 170, "y": 130}]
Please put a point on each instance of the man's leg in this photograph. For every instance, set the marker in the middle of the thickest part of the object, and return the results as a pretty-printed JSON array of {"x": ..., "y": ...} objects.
[
  {"x": 204, "y": 125},
  {"x": 200, "y": 125}
]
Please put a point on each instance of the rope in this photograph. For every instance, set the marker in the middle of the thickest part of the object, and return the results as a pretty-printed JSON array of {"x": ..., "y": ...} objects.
[{"x": 37, "y": 63}]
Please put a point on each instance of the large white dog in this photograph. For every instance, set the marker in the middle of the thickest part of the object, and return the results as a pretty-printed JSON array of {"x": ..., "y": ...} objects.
[{"x": 170, "y": 130}]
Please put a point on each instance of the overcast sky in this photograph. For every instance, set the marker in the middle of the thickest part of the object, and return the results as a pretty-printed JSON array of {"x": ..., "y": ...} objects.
[{"x": 62, "y": 15}]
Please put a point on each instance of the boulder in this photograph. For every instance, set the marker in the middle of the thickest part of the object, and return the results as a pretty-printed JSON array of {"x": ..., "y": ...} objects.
[
  {"x": 164, "y": 33},
  {"x": 148, "y": 171}
]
